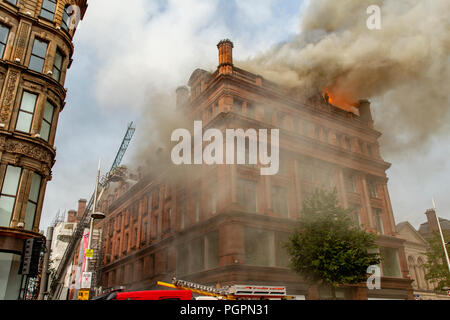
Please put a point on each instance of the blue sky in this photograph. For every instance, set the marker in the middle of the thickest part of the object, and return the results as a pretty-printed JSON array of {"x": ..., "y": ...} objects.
[{"x": 125, "y": 51}]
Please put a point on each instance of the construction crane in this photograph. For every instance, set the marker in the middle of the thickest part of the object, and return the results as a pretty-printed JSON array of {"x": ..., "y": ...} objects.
[
  {"x": 58, "y": 282},
  {"x": 235, "y": 292}
]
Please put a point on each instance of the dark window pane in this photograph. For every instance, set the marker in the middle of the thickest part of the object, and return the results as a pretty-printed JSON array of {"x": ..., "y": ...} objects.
[
  {"x": 28, "y": 102},
  {"x": 4, "y": 32},
  {"x": 24, "y": 122},
  {"x": 14, "y": 2},
  {"x": 36, "y": 64},
  {"x": 40, "y": 48}
]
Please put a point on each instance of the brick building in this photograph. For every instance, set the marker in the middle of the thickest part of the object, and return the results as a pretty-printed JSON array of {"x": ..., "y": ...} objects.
[
  {"x": 227, "y": 224},
  {"x": 35, "y": 52}
]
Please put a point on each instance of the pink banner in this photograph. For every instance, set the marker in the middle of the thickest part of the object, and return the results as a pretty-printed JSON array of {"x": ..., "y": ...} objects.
[{"x": 85, "y": 245}]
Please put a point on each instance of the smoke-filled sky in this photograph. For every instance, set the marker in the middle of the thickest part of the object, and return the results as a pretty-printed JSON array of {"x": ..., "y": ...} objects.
[{"x": 129, "y": 52}]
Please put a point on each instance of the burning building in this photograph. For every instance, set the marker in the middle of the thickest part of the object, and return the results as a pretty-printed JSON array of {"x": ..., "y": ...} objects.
[{"x": 227, "y": 224}]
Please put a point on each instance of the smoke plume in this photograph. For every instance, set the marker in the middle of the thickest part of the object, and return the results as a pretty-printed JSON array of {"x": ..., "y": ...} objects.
[{"x": 403, "y": 68}]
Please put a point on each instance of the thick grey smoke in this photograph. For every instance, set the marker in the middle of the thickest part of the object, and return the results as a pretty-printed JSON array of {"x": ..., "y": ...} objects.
[{"x": 403, "y": 68}]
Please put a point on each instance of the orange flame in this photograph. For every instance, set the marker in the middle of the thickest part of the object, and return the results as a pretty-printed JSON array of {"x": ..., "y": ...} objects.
[{"x": 339, "y": 100}]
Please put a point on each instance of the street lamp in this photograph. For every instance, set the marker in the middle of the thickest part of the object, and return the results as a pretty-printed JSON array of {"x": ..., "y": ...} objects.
[{"x": 94, "y": 216}]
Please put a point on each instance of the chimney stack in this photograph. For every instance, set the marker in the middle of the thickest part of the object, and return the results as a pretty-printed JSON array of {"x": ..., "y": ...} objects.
[
  {"x": 182, "y": 96},
  {"x": 432, "y": 220},
  {"x": 225, "y": 56},
  {"x": 81, "y": 208},
  {"x": 364, "y": 111},
  {"x": 72, "y": 216}
]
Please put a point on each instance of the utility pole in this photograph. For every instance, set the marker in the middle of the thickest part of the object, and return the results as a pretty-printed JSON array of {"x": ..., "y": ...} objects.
[
  {"x": 94, "y": 207},
  {"x": 442, "y": 235},
  {"x": 44, "y": 280},
  {"x": 94, "y": 216}
]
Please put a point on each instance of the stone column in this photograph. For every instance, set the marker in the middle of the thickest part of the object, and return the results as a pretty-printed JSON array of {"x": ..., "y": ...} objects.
[
  {"x": 231, "y": 244},
  {"x": 366, "y": 201},
  {"x": 387, "y": 201}
]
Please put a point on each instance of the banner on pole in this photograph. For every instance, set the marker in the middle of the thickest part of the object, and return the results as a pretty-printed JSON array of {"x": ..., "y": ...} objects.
[{"x": 86, "y": 280}]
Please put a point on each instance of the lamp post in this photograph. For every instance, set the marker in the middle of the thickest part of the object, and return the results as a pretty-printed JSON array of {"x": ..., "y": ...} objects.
[
  {"x": 442, "y": 236},
  {"x": 94, "y": 216}
]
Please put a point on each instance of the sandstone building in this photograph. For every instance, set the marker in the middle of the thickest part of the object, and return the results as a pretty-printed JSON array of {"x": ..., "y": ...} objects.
[
  {"x": 227, "y": 225},
  {"x": 35, "y": 52},
  {"x": 416, "y": 246}
]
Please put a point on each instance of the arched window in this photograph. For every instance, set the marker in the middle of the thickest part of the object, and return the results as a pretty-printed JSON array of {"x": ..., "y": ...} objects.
[
  {"x": 413, "y": 271},
  {"x": 48, "y": 9},
  {"x": 67, "y": 16},
  {"x": 421, "y": 271}
]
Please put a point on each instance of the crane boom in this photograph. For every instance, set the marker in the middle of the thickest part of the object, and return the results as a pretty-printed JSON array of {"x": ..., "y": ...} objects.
[{"x": 57, "y": 283}]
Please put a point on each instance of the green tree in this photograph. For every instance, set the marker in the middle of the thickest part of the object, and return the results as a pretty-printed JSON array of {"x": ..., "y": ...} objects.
[
  {"x": 436, "y": 266},
  {"x": 328, "y": 247}
]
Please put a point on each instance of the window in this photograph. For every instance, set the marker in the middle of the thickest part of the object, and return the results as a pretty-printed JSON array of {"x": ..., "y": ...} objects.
[
  {"x": 247, "y": 194},
  {"x": 212, "y": 250},
  {"x": 13, "y": 2},
  {"x": 33, "y": 201},
  {"x": 280, "y": 201},
  {"x": 356, "y": 215},
  {"x": 268, "y": 115},
  {"x": 8, "y": 194},
  {"x": 390, "y": 262},
  {"x": 250, "y": 110},
  {"x": 125, "y": 244},
  {"x": 372, "y": 189},
  {"x": 281, "y": 118},
  {"x": 167, "y": 220},
  {"x": 26, "y": 112},
  {"x": 238, "y": 106},
  {"x": 349, "y": 181},
  {"x": 377, "y": 220},
  {"x": 48, "y": 9},
  {"x": 57, "y": 65},
  {"x": 10, "y": 280},
  {"x": 67, "y": 16},
  {"x": 305, "y": 127},
  {"x": 183, "y": 217},
  {"x": 144, "y": 232},
  {"x": 317, "y": 132},
  {"x": 47, "y": 121},
  {"x": 259, "y": 247},
  {"x": 4, "y": 33},
  {"x": 38, "y": 55},
  {"x": 196, "y": 199},
  {"x": 281, "y": 254},
  {"x": 196, "y": 255},
  {"x": 306, "y": 172},
  {"x": 347, "y": 144},
  {"x": 182, "y": 260}
]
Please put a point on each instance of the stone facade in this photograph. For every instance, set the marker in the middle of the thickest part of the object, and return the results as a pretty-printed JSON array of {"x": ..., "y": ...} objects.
[
  {"x": 416, "y": 247},
  {"x": 36, "y": 51},
  {"x": 227, "y": 224}
]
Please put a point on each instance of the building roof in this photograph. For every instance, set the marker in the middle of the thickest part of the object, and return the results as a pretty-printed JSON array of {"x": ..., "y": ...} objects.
[
  {"x": 409, "y": 233},
  {"x": 425, "y": 227}
]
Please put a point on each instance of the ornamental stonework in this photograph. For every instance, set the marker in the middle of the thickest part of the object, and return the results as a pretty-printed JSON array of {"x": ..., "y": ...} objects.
[
  {"x": 27, "y": 149},
  {"x": 10, "y": 90},
  {"x": 22, "y": 40}
]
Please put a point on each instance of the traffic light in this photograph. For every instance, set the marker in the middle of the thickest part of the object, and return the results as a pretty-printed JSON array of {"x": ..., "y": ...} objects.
[{"x": 31, "y": 253}]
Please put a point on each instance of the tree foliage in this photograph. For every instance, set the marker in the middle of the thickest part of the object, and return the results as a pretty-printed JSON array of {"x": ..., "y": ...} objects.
[
  {"x": 328, "y": 246},
  {"x": 436, "y": 267}
]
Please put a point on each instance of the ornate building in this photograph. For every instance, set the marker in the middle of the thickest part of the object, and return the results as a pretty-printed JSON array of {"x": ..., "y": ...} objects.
[
  {"x": 228, "y": 224},
  {"x": 416, "y": 246},
  {"x": 35, "y": 52}
]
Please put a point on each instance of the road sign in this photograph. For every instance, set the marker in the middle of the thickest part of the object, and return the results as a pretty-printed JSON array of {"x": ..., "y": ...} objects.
[
  {"x": 83, "y": 295},
  {"x": 86, "y": 280},
  {"x": 89, "y": 253}
]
